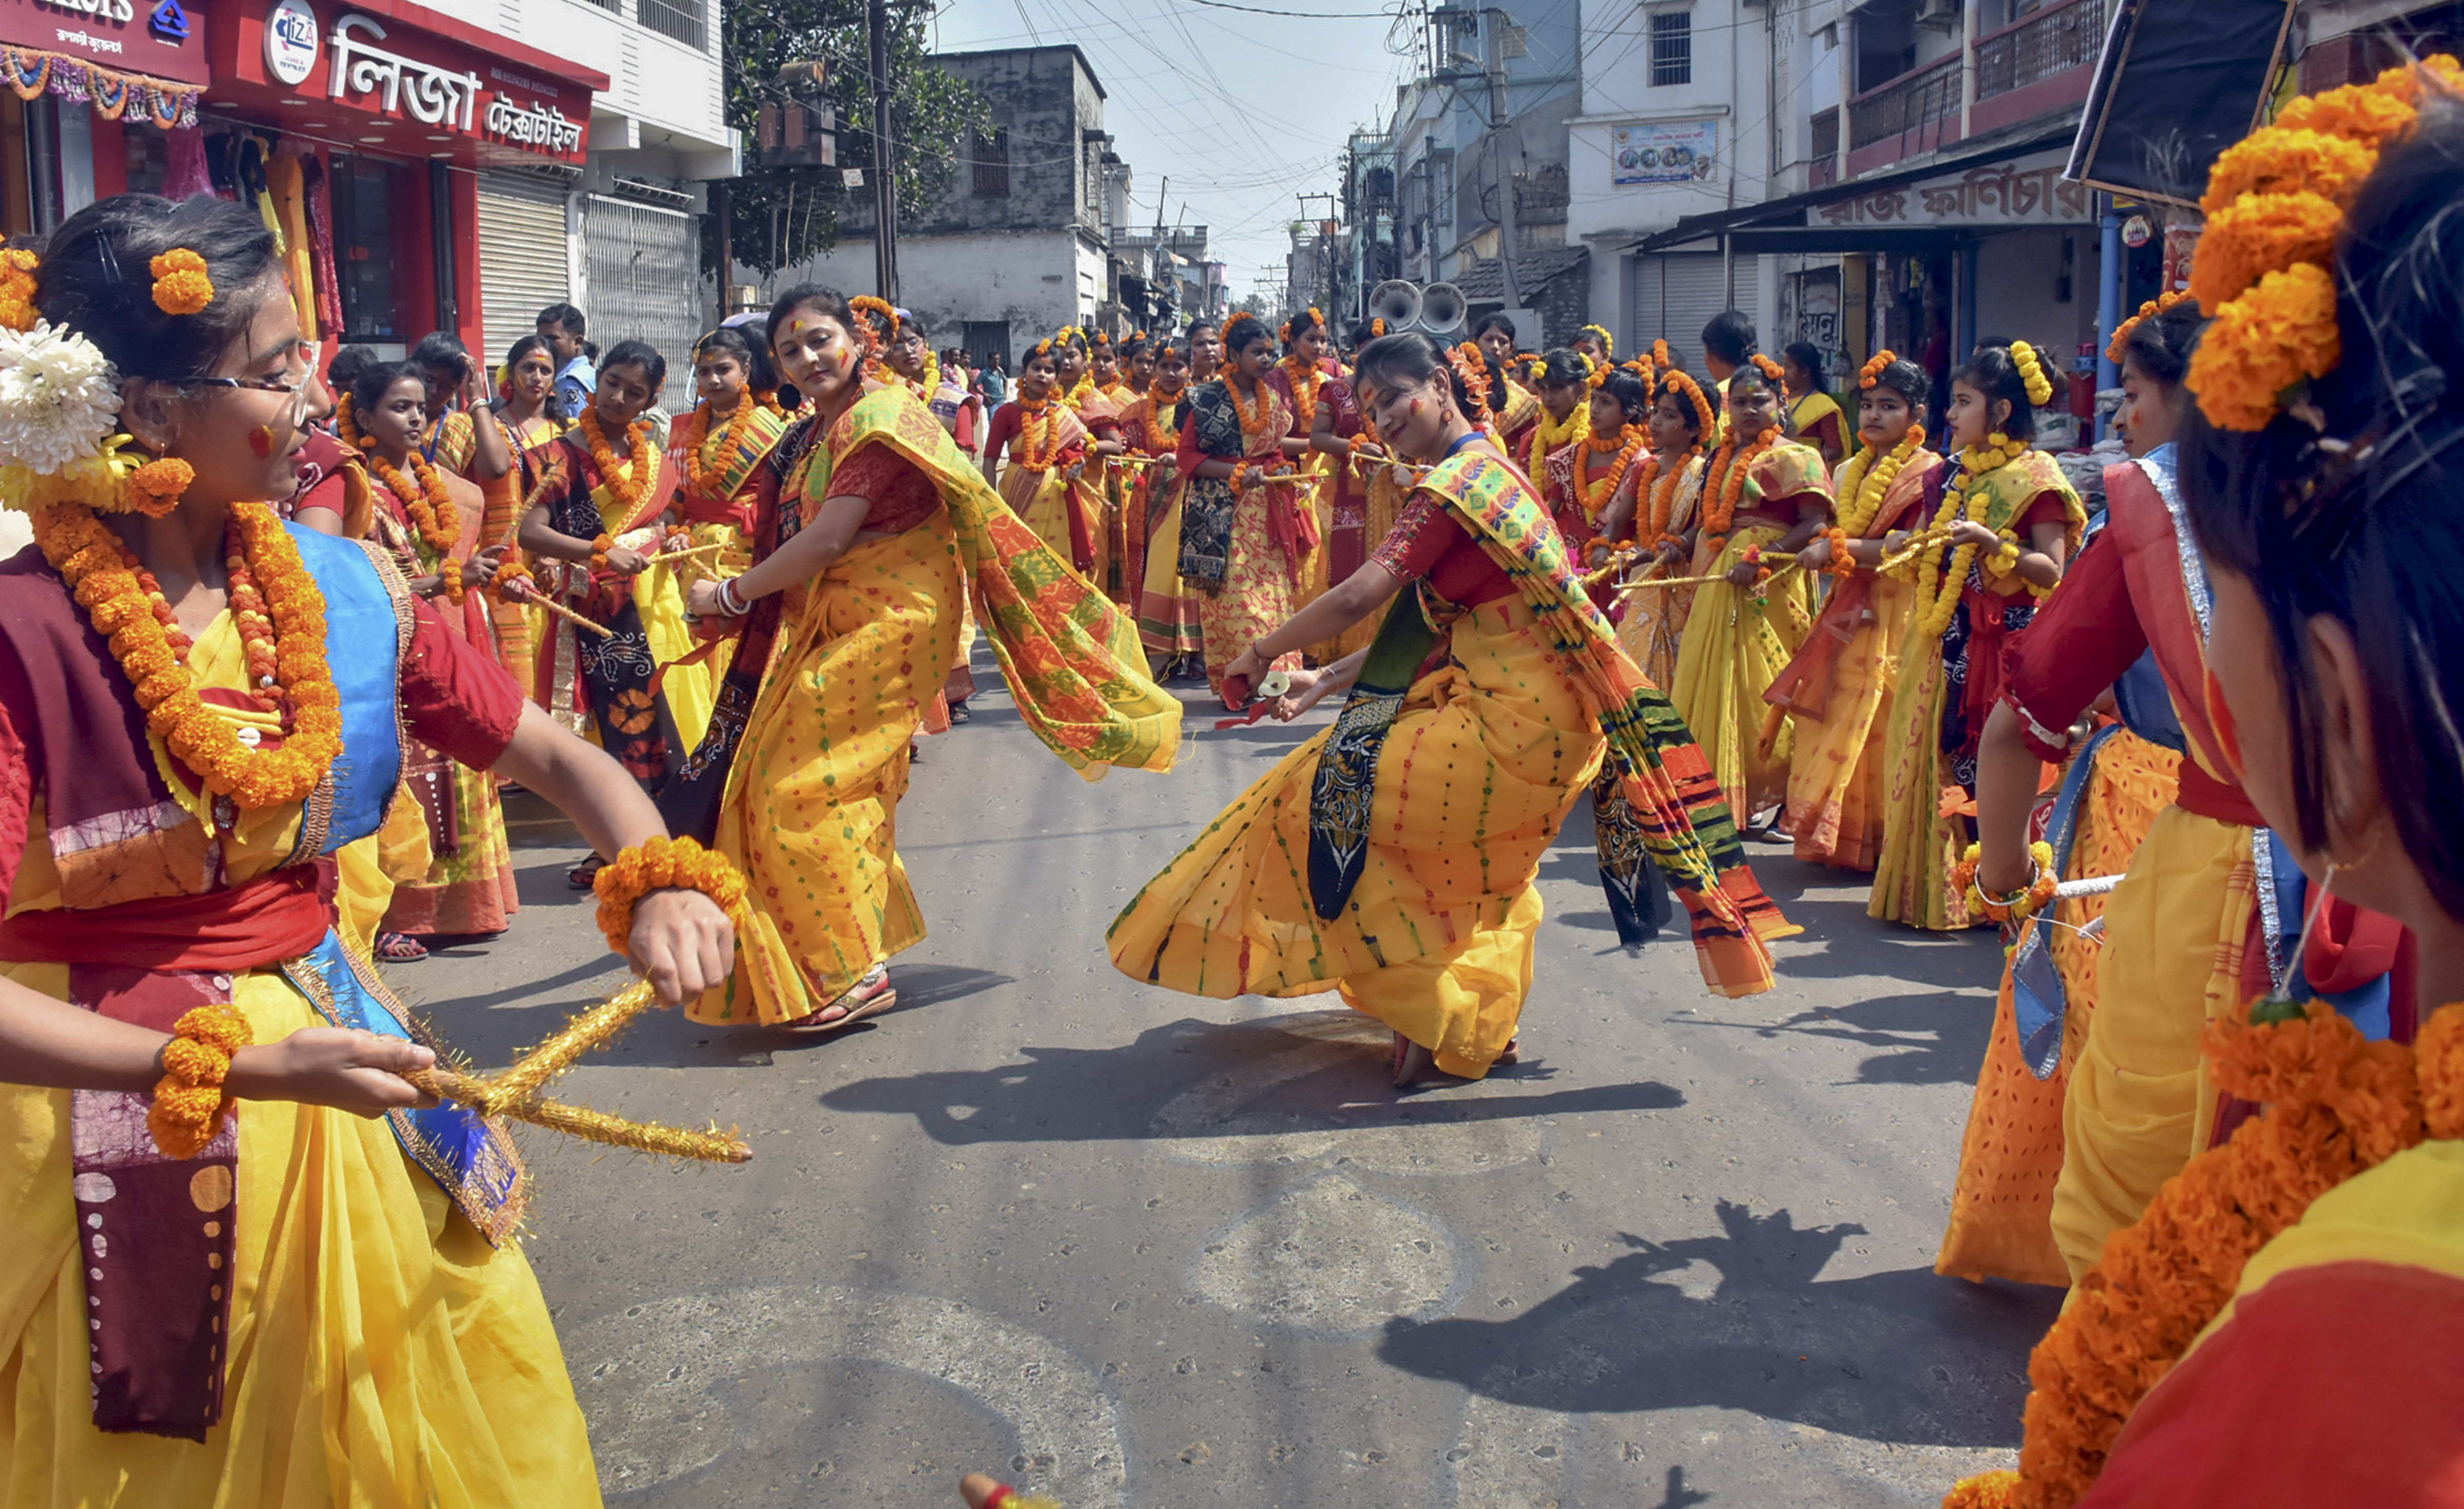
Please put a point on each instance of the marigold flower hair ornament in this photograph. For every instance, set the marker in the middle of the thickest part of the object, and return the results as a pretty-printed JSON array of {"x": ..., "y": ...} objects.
[{"x": 181, "y": 284}]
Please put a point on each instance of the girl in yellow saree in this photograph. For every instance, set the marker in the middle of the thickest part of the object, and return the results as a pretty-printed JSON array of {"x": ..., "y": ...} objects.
[
  {"x": 1037, "y": 454},
  {"x": 881, "y": 524},
  {"x": 1392, "y": 857}
]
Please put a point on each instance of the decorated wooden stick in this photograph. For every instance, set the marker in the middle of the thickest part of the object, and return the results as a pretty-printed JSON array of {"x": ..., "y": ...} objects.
[
  {"x": 579, "y": 1122},
  {"x": 531, "y": 1073},
  {"x": 568, "y": 614}
]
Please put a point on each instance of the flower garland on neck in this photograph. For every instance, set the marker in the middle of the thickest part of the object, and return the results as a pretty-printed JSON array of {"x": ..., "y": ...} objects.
[
  {"x": 1864, "y": 482},
  {"x": 1162, "y": 439},
  {"x": 1625, "y": 445},
  {"x": 1726, "y": 482},
  {"x": 1548, "y": 435},
  {"x": 430, "y": 507},
  {"x": 1252, "y": 430},
  {"x": 1938, "y": 590},
  {"x": 284, "y": 634},
  {"x": 699, "y": 474},
  {"x": 876, "y": 345},
  {"x": 1664, "y": 498},
  {"x": 1028, "y": 458},
  {"x": 2338, "y": 1106},
  {"x": 634, "y": 486},
  {"x": 1306, "y": 378}
]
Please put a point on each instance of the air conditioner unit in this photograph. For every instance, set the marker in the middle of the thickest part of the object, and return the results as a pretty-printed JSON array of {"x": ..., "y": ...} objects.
[{"x": 1940, "y": 14}]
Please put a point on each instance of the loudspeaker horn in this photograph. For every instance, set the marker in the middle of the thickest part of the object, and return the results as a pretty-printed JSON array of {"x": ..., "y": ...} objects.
[{"x": 1442, "y": 307}]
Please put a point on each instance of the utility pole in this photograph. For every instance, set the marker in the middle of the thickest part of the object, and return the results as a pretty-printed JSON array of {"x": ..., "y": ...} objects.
[
  {"x": 1494, "y": 21},
  {"x": 720, "y": 211},
  {"x": 885, "y": 198}
]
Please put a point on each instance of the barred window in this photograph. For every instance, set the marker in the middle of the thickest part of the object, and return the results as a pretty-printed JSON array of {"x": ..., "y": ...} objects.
[
  {"x": 1672, "y": 47},
  {"x": 992, "y": 164},
  {"x": 681, "y": 19}
]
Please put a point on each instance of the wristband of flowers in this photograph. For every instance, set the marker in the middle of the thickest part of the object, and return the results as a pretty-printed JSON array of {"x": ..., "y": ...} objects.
[
  {"x": 1842, "y": 563},
  {"x": 599, "y": 548},
  {"x": 502, "y": 586},
  {"x": 1239, "y": 472},
  {"x": 449, "y": 572},
  {"x": 1752, "y": 555},
  {"x": 2018, "y": 906},
  {"x": 188, "y": 1099},
  {"x": 661, "y": 864},
  {"x": 2006, "y": 556}
]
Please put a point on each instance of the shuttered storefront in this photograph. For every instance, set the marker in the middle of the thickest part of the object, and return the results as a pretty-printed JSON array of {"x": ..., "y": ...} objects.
[
  {"x": 524, "y": 257},
  {"x": 1673, "y": 296},
  {"x": 645, "y": 284}
]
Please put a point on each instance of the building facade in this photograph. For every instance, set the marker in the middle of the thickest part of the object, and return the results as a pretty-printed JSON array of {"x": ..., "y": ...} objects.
[{"x": 1019, "y": 245}]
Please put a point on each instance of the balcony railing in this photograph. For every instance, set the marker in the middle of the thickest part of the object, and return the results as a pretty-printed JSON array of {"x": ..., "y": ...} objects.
[
  {"x": 2054, "y": 40},
  {"x": 1912, "y": 103}
]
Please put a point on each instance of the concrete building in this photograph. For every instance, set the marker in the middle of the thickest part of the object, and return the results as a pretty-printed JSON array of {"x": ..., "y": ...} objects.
[{"x": 1019, "y": 245}]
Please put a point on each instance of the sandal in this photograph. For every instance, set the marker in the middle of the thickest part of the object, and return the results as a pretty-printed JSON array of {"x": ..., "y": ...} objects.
[
  {"x": 399, "y": 948},
  {"x": 582, "y": 875},
  {"x": 870, "y": 996},
  {"x": 959, "y": 714}
]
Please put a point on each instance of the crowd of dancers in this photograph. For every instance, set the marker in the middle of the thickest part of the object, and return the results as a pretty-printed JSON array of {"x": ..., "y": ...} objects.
[{"x": 284, "y": 640}]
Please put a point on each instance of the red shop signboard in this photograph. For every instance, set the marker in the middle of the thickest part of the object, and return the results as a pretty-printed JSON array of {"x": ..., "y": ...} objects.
[
  {"x": 158, "y": 38},
  {"x": 404, "y": 79}
]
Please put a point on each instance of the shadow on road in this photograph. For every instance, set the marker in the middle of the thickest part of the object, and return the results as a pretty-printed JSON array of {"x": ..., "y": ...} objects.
[
  {"x": 1938, "y": 1038},
  {"x": 1904, "y": 1357},
  {"x": 1225, "y": 1079}
]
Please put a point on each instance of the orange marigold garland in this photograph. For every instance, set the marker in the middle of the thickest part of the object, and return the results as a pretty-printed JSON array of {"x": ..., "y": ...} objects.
[
  {"x": 188, "y": 1099},
  {"x": 1033, "y": 456},
  {"x": 1726, "y": 482},
  {"x": 17, "y": 290},
  {"x": 118, "y": 604},
  {"x": 180, "y": 285},
  {"x": 1625, "y": 446},
  {"x": 2337, "y": 1105},
  {"x": 659, "y": 864},
  {"x": 2150, "y": 310},
  {"x": 875, "y": 342},
  {"x": 1253, "y": 431},
  {"x": 643, "y": 461},
  {"x": 431, "y": 510},
  {"x": 1306, "y": 379},
  {"x": 699, "y": 474}
]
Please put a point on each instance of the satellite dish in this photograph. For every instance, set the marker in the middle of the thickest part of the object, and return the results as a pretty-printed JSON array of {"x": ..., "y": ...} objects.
[
  {"x": 1442, "y": 307},
  {"x": 1394, "y": 301}
]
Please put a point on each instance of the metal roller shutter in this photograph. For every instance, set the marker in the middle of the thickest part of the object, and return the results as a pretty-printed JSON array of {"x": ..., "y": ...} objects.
[
  {"x": 645, "y": 284},
  {"x": 1674, "y": 296},
  {"x": 524, "y": 258}
]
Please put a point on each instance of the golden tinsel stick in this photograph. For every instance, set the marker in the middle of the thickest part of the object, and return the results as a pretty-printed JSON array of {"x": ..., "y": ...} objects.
[
  {"x": 1639, "y": 583},
  {"x": 487, "y": 1098},
  {"x": 531, "y": 1073}
]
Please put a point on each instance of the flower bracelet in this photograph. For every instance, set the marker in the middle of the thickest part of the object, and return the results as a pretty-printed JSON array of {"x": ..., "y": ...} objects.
[
  {"x": 599, "y": 548},
  {"x": 660, "y": 865},
  {"x": 2018, "y": 906},
  {"x": 188, "y": 1099}
]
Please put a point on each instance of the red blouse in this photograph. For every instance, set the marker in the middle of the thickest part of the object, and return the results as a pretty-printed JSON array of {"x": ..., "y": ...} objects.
[
  {"x": 901, "y": 496},
  {"x": 1430, "y": 541}
]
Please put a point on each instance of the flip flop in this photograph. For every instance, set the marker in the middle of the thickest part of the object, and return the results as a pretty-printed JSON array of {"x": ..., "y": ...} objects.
[
  {"x": 852, "y": 1008},
  {"x": 399, "y": 948}
]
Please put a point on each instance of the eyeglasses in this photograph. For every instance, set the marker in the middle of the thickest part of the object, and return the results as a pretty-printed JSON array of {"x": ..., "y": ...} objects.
[{"x": 298, "y": 367}]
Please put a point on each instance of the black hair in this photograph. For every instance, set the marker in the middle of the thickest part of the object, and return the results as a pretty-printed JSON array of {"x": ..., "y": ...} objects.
[
  {"x": 357, "y": 370},
  {"x": 910, "y": 324},
  {"x": 1196, "y": 325},
  {"x": 2367, "y": 531},
  {"x": 1363, "y": 331},
  {"x": 1730, "y": 336},
  {"x": 749, "y": 355},
  {"x": 829, "y": 301},
  {"x": 440, "y": 351},
  {"x": 1562, "y": 366},
  {"x": 1906, "y": 379},
  {"x": 1244, "y": 334},
  {"x": 2160, "y": 345},
  {"x": 1992, "y": 372},
  {"x": 565, "y": 318},
  {"x": 642, "y": 354},
  {"x": 554, "y": 406},
  {"x": 1495, "y": 320},
  {"x": 1630, "y": 392},
  {"x": 95, "y": 279},
  {"x": 1805, "y": 354},
  {"x": 1040, "y": 351},
  {"x": 1407, "y": 360},
  {"x": 1168, "y": 344},
  {"x": 1135, "y": 346},
  {"x": 1307, "y": 320},
  {"x": 591, "y": 352}
]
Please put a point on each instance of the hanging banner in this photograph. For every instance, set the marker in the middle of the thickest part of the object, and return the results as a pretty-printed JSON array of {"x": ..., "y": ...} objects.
[{"x": 1680, "y": 153}]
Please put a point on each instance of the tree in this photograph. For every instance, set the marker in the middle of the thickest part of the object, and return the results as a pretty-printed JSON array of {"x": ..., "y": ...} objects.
[{"x": 781, "y": 217}]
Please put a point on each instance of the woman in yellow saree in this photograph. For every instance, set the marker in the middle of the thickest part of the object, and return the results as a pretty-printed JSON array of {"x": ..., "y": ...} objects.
[
  {"x": 1677, "y": 416},
  {"x": 2012, "y": 521},
  {"x": 1244, "y": 540},
  {"x": 1838, "y": 686},
  {"x": 881, "y": 524},
  {"x": 1762, "y": 497},
  {"x": 1392, "y": 857},
  {"x": 715, "y": 454},
  {"x": 1169, "y": 627},
  {"x": 321, "y": 1304},
  {"x": 1037, "y": 454}
]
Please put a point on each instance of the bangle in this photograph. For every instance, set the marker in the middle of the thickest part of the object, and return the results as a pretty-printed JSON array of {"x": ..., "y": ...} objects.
[
  {"x": 731, "y": 599},
  {"x": 2018, "y": 906},
  {"x": 660, "y": 865},
  {"x": 188, "y": 1099}
]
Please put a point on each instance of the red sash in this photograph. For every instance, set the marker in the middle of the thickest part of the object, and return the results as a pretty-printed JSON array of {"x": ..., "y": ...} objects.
[{"x": 274, "y": 918}]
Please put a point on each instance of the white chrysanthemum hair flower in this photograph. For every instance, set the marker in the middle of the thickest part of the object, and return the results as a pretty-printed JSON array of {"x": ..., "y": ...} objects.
[{"x": 58, "y": 397}]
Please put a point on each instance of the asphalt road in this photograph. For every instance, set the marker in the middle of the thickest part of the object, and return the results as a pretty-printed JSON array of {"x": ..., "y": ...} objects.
[{"x": 1135, "y": 1248}]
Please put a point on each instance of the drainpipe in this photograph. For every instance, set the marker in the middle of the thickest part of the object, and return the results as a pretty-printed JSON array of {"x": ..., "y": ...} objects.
[{"x": 1967, "y": 69}]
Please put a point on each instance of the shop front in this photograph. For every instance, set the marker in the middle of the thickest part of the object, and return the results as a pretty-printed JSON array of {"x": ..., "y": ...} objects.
[
  {"x": 97, "y": 90},
  {"x": 386, "y": 139}
]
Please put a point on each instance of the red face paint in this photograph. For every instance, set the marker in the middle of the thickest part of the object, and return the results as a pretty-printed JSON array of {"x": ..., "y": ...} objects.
[
  {"x": 261, "y": 441},
  {"x": 1415, "y": 409}
]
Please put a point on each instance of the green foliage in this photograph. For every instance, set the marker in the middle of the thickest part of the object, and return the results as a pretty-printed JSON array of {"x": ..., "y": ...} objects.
[{"x": 781, "y": 217}]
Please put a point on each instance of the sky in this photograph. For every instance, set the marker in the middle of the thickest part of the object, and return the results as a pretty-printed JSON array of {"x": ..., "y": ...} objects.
[{"x": 1240, "y": 112}]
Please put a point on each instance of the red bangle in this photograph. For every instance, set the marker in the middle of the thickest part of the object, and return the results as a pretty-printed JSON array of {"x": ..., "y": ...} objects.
[{"x": 1004, "y": 1496}]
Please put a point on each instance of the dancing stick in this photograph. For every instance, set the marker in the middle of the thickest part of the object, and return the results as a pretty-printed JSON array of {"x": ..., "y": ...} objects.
[
  {"x": 531, "y": 1073},
  {"x": 1639, "y": 583},
  {"x": 2093, "y": 885},
  {"x": 562, "y": 611},
  {"x": 590, "y": 1126}
]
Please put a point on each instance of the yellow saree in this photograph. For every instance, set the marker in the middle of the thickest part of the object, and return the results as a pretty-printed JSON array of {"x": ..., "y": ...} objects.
[{"x": 811, "y": 804}]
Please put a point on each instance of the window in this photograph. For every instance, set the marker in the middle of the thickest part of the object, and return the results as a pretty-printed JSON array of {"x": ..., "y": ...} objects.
[
  {"x": 681, "y": 19},
  {"x": 1672, "y": 47},
  {"x": 992, "y": 164}
]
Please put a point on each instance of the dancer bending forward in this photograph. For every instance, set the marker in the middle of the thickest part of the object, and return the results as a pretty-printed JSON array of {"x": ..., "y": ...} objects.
[{"x": 1392, "y": 857}]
